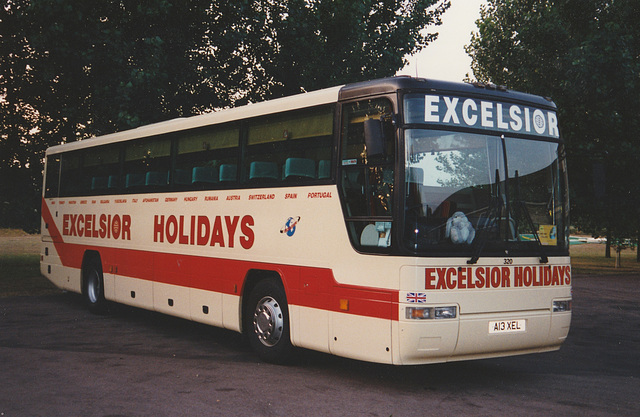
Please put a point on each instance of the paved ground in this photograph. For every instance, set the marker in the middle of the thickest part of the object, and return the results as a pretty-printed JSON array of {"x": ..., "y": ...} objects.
[
  {"x": 59, "y": 360},
  {"x": 56, "y": 359}
]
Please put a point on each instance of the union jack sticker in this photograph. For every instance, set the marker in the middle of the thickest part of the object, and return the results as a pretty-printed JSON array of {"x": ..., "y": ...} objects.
[{"x": 416, "y": 297}]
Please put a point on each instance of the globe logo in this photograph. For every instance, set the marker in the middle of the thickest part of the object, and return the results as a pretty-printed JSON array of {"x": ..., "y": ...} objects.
[{"x": 290, "y": 226}]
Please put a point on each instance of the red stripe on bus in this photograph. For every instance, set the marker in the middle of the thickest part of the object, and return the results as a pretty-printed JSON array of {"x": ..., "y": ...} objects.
[
  {"x": 50, "y": 224},
  {"x": 305, "y": 286}
]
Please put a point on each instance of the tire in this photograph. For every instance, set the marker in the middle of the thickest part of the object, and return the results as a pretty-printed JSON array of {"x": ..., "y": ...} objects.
[
  {"x": 267, "y": 322},
  {"x": 93, "y": 290}
]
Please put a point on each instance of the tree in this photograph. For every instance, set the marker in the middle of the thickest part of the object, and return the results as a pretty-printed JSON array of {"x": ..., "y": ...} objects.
[
  {"x": 304, "y": 45},
  {"x": 586, "y": 55},
  {"x": 72, "y": 69}
]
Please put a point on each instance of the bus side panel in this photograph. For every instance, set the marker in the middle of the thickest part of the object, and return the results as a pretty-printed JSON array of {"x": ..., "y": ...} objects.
[
  {"x": 206, "y": 307},
  {"x": 74, "y": 280},
  {"x": 310, "y": 300},
  {"x": 309, "y": 327},
  {"x": 358, "y": 337},
  {"x": 109, "y": 280},
  {"x": 149, "y": 262},
  {"x": 64, "y": 277},
  {"x": 51, "y": 264},
  {"x": 168, "y": 297},
  {"x": 172, "y": 299},
  {"x": 231, "y": 312},
  {"x": 134, "y": 292},
  {"x": 361, "y": 323},
  {"x": 56, "y": 274}
]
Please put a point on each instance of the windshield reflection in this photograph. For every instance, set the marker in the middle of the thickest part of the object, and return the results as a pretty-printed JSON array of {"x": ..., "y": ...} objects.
[{"x": 465, "y": 192}]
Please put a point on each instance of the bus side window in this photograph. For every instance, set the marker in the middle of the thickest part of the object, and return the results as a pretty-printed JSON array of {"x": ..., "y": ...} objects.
[
  {"x": 101, "y": 167},
  {"x": 290, "y": 148},
  {"x": 52, "y": 176},
  {"x": 204, "y": 157},
  {"x": 73, "y": 181},
  {"x": 147, "y": 163}
]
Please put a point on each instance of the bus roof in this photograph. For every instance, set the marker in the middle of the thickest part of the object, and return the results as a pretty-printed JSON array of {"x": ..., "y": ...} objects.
[
  {"x": 298, "y": 101},
  {"x": 388, "y": 85},
  {"x": 314, "y": 98}
]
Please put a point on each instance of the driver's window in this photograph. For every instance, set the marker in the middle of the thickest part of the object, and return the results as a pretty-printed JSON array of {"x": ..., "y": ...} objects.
[{"x": 367, "y": 180}]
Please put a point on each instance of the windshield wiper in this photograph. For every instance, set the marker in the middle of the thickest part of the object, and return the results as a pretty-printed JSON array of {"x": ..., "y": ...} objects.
[
  {"x": 493, "y": 214},
  {"x": 520, "y": 208},
  {"x": 492, "y": 221}
]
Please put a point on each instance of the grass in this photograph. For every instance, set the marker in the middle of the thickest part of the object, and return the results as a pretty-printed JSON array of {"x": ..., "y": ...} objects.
[
  {"x": 588, "y": 259},
  {"x": 20, "y": 265}
]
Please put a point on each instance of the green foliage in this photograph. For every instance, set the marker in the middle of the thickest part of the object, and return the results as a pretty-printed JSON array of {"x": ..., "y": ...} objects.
[
  {"x": 586, "y": 55},
  {"x": 71, "y": 69},
  {"x": 306, "y": 45}
]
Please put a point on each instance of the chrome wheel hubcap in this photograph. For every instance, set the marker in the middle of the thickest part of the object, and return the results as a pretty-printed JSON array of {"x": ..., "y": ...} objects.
[
  {"x": 268, "y": 321},
  {"x": 93, "y": 287}
]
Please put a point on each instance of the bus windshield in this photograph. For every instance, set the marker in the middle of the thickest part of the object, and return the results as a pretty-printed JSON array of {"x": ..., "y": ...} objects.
[{"x": 468, "y": 193}]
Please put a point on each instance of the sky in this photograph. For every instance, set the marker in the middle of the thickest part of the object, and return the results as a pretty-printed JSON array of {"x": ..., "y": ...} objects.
[{"x": 445, "y": 59}]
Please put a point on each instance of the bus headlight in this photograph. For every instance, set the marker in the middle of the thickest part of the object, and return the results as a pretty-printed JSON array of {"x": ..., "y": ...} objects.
[
  {"x": 562, "y": 305},
  {"x": 424, "y": 313},
  {"x": 446, "y": 312}
]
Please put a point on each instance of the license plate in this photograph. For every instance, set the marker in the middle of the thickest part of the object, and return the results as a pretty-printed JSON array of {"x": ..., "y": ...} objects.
[{"x": 507, "y": 326}]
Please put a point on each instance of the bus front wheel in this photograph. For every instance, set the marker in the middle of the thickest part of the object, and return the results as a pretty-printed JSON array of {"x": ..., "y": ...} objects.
[
  {"x": 94, "y": 288},
  {"x": 267, "y": 322}
]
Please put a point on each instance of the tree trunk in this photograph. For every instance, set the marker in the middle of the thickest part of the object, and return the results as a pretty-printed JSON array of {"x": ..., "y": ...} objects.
[
  {"x": 618, "y": 257},
  {"x": 607, "y": 252}
]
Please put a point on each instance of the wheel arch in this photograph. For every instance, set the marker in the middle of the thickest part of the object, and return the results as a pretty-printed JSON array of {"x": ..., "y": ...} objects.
[{"x": 253, "y": 277}]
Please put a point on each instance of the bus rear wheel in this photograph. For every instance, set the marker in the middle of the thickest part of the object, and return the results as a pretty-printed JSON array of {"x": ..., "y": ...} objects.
[
  {"x": 267, "y": 322},
  {"x": 94, "y": 288}
]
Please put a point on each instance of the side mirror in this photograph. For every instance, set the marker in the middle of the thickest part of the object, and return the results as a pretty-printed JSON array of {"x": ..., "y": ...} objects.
[{"x": 374, "y": 137}]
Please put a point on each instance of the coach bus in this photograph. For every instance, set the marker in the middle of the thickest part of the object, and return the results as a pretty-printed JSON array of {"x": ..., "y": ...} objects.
[{"x": 401, "y": 221}]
